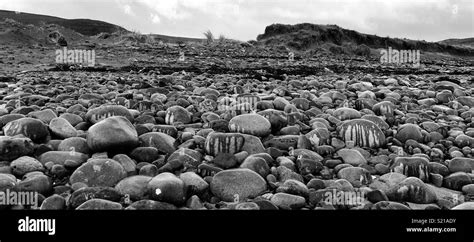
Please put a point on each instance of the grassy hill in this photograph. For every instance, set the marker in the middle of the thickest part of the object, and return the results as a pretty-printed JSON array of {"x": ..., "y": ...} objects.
[
  {"x": 308, "y": 36},
  {"x": 467, "y": 42},
  {"x": 86, "y": 27}
]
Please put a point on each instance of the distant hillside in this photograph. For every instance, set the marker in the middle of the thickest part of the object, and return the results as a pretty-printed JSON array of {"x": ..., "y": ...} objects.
[
  {"x": 174, "y": 39},
  {"x": 16, "y": 33},
  {"x": 307, "y": 36},
  {"x": 83, "y": 26},
  {"x": 468, "y": 42}
]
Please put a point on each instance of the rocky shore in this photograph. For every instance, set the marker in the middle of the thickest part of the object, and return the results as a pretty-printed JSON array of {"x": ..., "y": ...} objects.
[{"x": 199, "y": 140}]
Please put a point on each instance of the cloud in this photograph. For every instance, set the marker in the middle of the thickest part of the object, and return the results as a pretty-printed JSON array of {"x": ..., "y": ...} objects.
[
  {"x": 128, "y": 10},
  {"x": 170, "y": 9},
  {"x": 431, "y": 20},
  {"x": 18, "y": 5},
  {"x": 285, "y": 13},
  {"x": 155, "y": 19},
  {"x": 185, "y": 9}
]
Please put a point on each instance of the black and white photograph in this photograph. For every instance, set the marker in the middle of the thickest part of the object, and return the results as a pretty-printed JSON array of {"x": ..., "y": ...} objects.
[{"x": 276, "y": 112}]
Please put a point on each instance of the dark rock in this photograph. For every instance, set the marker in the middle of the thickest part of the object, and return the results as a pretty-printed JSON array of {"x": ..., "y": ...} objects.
[
  {"x": 363, "y": 132},
  {"x": 34, "y": 129},
  {"x": 243, "y": 183},
  {"x": 99, "y": 172}
]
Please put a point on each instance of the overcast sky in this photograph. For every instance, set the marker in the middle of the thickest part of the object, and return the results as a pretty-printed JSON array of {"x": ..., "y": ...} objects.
[{"x": 431, "y": 20}]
